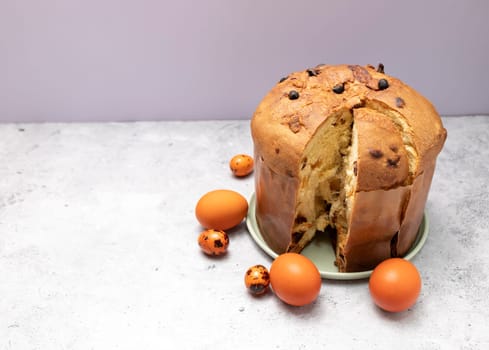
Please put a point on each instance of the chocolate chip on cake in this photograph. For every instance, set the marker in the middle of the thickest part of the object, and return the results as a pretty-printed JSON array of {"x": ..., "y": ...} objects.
[
  {"x": 376, "y": 153},
  {"x": 283, "y": 79},
  {"x": 293, "y": 95},
  {"x": 393, "y": 162},
  {"x": 400, "y": 102},
  {"x": 339, "y": 89},
  {"x": 383, "y": 84},
  {"x": 380, "y": 68},
  {"x": 312, "y": 72}
]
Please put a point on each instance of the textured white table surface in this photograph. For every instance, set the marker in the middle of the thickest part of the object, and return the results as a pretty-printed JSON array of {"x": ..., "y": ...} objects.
[{"x": 98, "y": 248}]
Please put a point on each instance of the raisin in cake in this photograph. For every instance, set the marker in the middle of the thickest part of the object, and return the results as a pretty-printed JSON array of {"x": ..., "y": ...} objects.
[{"x": 344, "y": 150}]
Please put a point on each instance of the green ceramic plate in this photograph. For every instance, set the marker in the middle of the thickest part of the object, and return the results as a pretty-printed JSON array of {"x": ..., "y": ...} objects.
[{"x": 321, "y": 252}]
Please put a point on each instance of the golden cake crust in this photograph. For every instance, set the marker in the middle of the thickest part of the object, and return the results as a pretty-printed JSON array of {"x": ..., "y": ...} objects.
[
  {"x": 396, "y": 170},
  {"x": 283, "y": 124}
]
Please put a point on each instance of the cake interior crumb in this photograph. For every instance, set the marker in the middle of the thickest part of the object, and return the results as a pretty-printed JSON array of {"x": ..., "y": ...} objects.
[
  {"x": 326, "y": 168},
  {"x": 328, "y": 180}
]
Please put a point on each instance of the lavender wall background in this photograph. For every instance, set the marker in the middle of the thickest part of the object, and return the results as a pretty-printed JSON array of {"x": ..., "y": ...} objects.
[{"x": 99, "y": 60}]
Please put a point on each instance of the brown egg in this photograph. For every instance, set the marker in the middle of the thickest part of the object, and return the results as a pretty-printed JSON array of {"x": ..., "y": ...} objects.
[{"x": 221, "y": 209}]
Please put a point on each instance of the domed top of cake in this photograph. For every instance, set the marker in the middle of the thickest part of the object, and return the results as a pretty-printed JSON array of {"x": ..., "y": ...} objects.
[{"x": 292, "y": 111}]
